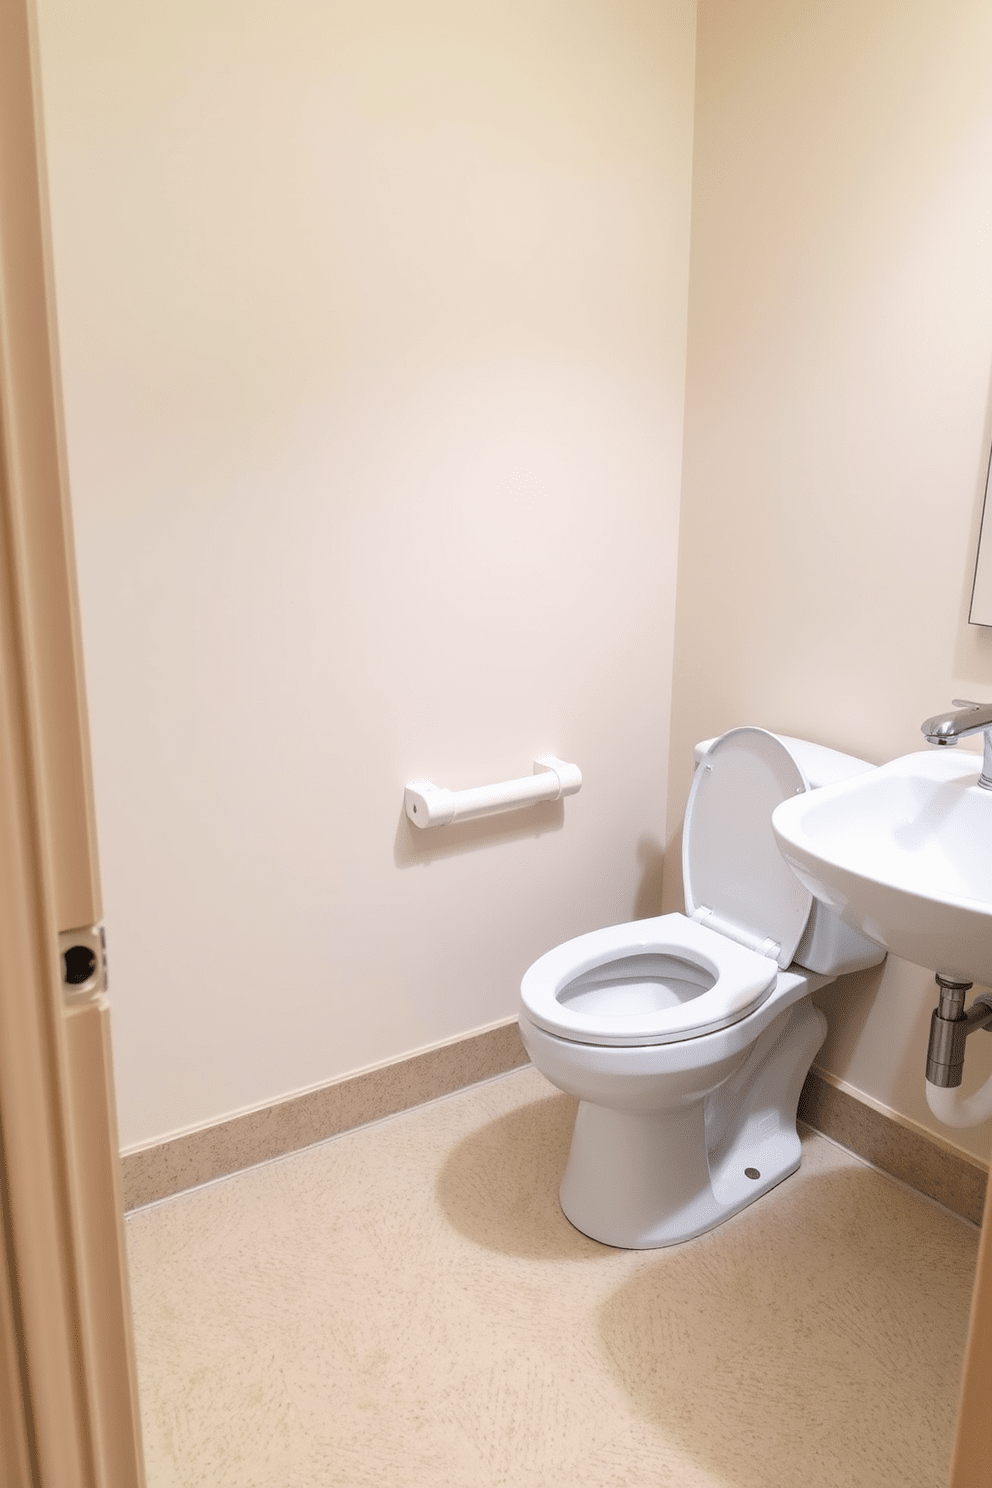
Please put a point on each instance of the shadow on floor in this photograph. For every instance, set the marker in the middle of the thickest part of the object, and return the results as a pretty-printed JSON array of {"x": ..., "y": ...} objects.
[
  {"x": 499, "y": 1187},
  {"x": 821, "y": 1319}
]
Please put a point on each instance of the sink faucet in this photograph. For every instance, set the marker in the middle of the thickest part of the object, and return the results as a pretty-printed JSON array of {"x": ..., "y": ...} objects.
[{"x": 970, "y": 718}]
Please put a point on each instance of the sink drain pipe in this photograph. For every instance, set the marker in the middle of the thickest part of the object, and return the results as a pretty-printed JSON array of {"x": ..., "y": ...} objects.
[{"x": 950, "y": 1026}]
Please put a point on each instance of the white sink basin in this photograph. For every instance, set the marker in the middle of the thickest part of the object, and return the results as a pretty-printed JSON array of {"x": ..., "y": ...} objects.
[{"x": 904, "y": 854}]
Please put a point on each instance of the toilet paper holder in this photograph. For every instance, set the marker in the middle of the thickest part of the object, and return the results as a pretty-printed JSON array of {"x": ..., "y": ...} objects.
[{"x": 429, "y": 805}]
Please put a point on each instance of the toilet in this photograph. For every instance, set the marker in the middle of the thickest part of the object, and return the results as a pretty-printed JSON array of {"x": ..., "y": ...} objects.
[{"x": 687, "y": 1038}]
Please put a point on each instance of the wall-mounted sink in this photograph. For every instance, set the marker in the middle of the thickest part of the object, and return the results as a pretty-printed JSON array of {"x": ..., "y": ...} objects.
[{"x": 904, "y": 854}]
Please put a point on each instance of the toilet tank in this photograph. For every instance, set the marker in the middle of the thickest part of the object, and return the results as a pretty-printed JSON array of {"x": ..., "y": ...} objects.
[{"x": 827, "y": 946}]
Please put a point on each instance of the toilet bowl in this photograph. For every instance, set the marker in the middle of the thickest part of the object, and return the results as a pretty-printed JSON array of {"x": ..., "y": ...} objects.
[{"x": 687, "y": 1038}]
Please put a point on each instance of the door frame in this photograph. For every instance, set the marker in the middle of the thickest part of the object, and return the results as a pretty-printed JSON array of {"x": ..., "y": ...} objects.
[{"x": 68, "y": 1387}]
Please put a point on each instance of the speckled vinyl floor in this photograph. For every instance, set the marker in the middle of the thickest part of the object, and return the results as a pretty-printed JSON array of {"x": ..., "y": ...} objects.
[{"x": 406, "y": 1305}]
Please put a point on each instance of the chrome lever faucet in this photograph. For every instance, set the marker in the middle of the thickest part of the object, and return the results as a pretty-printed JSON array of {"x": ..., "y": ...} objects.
[{"x": 969, "y": 718}]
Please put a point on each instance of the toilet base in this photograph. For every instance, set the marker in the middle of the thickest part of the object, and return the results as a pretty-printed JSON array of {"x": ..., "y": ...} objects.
[{"x": 645, "y": 1179}]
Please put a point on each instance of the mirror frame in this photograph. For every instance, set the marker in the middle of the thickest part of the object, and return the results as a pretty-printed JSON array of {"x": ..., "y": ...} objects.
[{"x": 980, "y": 612}]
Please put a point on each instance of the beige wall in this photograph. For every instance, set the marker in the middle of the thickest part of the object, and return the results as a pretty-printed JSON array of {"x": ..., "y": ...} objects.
[
  {"x": 837, "y": 415},
  {"x": 373, "y": 336},
  {"x": 373, "y": 333}
]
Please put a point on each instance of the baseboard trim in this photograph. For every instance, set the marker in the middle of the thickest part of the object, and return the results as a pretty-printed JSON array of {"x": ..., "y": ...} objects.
[
  {"x": 158, "y": 1172},
  {"x": 914, "y": 1157},
  {"x": 185, "y": 1161}
]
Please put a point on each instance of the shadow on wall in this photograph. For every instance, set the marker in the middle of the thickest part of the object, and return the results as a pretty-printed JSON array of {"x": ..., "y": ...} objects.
[
  {"x": 651, "y": 856},
  {"x": 499, "y": 1187},
  {"x": 847, "y": 1003},
  {"x": 413, "y": 845},
  {"x": 762, "y": 1346}
]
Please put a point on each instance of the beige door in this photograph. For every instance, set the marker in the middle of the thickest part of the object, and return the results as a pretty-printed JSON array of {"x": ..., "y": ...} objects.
[
  {"x": 972, "y": 1465},
  {"x": 68, "y": 1395}
]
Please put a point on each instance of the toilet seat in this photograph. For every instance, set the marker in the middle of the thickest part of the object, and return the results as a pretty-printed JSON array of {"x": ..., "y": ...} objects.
[
  {"x": 680, "y": 976},
  {"x": 735, "y": 877},
  {"x": 650, "y": 982}
]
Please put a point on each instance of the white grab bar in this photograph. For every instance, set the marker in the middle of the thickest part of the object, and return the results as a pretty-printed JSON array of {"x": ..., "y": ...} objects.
[{"x": 430, "y": 805}]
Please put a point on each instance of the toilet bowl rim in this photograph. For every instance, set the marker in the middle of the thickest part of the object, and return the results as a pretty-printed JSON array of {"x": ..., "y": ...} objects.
[
  {"x": 655, "y": 1061},
  {"x": 743, "y": 981}
]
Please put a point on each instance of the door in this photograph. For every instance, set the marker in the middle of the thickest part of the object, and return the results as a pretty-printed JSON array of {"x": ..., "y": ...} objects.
[
  {"x": 972, "y": 1464},
  {"x": 68, "y": 1393}
]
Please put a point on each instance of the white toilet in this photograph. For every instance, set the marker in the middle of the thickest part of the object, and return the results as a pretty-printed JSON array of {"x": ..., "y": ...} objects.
[{"x": 687, "y": 1038}]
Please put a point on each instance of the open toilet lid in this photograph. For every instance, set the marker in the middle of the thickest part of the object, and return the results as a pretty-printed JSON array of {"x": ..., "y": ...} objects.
[{"x": 735, "y": 877}]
